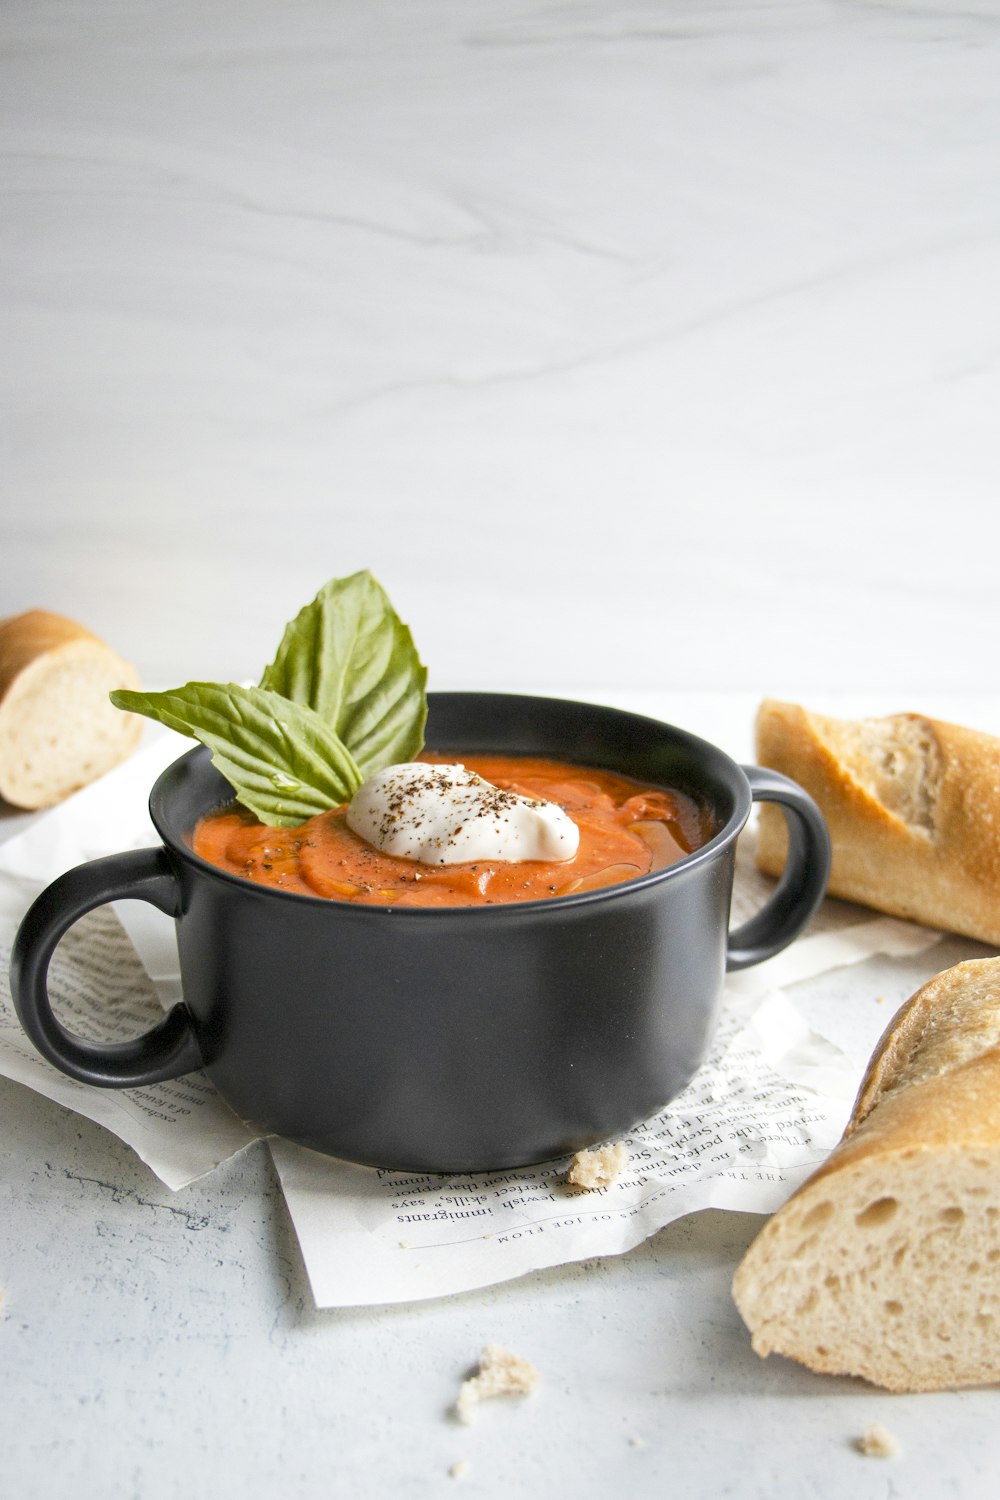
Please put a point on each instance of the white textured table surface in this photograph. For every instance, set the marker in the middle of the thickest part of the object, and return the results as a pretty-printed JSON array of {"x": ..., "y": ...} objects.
[
  {"x": 152, "y": 1336},
  {"x": 653, "y": 345}
]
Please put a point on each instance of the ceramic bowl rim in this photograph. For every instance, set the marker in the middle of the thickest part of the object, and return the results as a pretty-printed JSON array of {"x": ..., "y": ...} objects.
[{"x": 197, "y": 762}]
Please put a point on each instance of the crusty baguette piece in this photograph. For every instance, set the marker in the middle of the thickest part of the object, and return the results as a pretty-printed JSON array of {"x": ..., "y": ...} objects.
[
  {"x": 913, "y": 808},
  {"x": 886, "y": 1263},
  {"x": 57, "y": 729},
  {"x": 500, "y": 1373}
]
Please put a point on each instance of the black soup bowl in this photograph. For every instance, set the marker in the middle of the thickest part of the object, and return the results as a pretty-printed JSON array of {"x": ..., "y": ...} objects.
[{"x": 449, "y": 1039}]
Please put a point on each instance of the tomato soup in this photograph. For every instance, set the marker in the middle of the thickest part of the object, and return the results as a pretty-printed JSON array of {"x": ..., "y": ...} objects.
[{"x": 626, "y": 829}]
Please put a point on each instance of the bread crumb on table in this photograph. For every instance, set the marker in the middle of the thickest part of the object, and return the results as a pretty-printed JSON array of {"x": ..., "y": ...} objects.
[
  {"x": 500, "y": 1373},
  {"x": 459, "y": 1468},
  {"x": 598, "y": 1168},
  {"x": 877, "y": 1442}
]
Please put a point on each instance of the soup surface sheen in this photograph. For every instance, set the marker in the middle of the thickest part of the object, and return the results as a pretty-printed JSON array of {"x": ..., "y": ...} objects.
[{"x": 626, "y": 830}]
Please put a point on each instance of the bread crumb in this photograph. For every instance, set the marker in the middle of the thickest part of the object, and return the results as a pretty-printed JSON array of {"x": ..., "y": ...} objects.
[
  {"x": 879, "y": 999},
  {"x": 636, "y": 1441},
  {"x": 877, "y": 1442},
  {"x": 500, "y": 1373},
  {"x": 406, "y": 1244},
  {"x": 598, "y": 1168},
  {"x": 459, "y": 1468}
]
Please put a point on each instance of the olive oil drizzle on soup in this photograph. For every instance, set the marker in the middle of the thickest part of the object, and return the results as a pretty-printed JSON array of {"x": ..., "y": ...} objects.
[{"x": 626, "y": 830}]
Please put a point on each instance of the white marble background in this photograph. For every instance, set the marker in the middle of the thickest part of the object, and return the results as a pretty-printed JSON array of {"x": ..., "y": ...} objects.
[{"x": 640, "y": 343}]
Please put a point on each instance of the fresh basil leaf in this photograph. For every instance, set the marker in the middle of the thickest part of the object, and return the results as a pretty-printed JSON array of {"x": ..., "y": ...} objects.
[
  {"x": 348, "y": 656},
  {"x": 284, "y": 763}
]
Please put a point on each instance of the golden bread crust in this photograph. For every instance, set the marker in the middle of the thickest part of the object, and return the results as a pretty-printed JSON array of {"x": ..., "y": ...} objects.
[
  {"x": 935, "y": 856},
  {"x": 58, "y": 730}
]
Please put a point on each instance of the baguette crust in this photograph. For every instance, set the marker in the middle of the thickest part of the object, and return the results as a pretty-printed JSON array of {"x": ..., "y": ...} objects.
[
  {"x": 952, "y": 1020},
  {"x": 58, "y": 730},
  {"x": 886, "y": 1263},
  {"x": 33, "y": 634},
  {"x": 913, "y": 809}
]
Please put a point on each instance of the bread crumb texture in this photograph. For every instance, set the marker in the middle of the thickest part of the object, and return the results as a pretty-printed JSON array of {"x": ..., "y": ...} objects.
[
  {"x": 886, "y": 1263},
  {"x": 897, "y": 760},
  {"x": 877, "y": 1442},
  {"x": 598, "y": 1168},
  {"x": 58, "y": 729},
  {"x": 459, "y": 1468},
  {"x": 500, "y": 1373}
]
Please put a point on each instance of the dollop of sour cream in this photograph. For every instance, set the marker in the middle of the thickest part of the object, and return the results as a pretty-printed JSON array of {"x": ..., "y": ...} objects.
[{"x": 446, "y": 815}]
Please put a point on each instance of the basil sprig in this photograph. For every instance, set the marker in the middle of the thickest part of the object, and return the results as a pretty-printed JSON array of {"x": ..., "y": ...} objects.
[
  {"x": 349, "y": 657},
  {"x": 343, "y": 697}
]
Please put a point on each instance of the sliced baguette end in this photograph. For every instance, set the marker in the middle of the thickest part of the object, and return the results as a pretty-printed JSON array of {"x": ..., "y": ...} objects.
[
  {"x": 886, "y": 1262},
  {"x": 58, "y": 729},
  {"x": 891, "y": 1274}
]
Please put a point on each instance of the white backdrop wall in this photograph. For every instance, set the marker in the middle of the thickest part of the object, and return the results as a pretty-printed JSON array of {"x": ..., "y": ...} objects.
[{"x": 649, "y": 344}]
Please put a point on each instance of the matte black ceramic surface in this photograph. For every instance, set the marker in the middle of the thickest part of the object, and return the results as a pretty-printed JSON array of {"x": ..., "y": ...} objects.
[{"x": 452, "y": 1039}]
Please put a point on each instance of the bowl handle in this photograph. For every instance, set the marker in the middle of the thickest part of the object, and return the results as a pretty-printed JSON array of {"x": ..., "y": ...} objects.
[
  {"x": 803, "y": 883},
  {"x": 170, "y": 1048}
]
